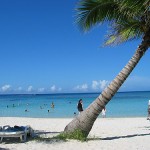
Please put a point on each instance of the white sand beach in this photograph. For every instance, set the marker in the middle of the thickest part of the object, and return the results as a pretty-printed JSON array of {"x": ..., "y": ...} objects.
[{"x": 106, "y": 134}]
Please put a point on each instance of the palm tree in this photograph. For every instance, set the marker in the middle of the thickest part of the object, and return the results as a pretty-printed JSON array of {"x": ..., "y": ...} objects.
[{"x": 128, "y": 19}]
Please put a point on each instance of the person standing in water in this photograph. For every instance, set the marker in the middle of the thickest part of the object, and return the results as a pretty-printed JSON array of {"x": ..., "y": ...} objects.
[
  {"x": 80, "y": 106},
  {"x": 52, "y": 105},
  {"x": 104, "y": 112}
]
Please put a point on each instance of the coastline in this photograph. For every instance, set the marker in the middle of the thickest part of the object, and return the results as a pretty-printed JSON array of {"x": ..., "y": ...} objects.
[{"x": 106, "y": 134}]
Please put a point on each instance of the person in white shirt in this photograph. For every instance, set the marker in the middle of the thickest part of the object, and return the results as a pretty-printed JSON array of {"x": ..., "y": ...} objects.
[
  {"x": 148, "y": 117},
  {"x": 104, "y": 112},
  {"x": 149, "y": 103}
]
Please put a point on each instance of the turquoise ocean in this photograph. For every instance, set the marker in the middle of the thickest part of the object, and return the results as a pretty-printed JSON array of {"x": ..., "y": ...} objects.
[{"x": 123, "y": 104}]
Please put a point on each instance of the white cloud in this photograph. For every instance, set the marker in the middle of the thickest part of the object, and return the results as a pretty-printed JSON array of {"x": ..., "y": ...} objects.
[
  {"x": 82, "y": 87},
  {"x": 95, "y": 85},
  {"x": 53, "y": 88},
  {"x": 30, "y": 88},
  {"x": 5, "y": 88},
  {"x": 101, "y": 84},
  {"x": 41, "y": 89}
]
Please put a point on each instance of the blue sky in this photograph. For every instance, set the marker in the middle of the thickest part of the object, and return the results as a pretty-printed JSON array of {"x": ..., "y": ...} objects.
[{"x": 42, "y": 50}]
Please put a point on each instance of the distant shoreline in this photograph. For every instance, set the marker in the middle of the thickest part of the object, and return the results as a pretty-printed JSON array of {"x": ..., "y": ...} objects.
[
  {"x": 69, "y": 117},
  {"x": 66, "y": 93}
]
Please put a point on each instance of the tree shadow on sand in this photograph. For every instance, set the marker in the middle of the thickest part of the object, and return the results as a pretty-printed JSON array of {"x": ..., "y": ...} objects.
[
  {"x": 118, "y": 137},
  {"x": 41, "y": 132},
  {"x": 41, "y": 136},
  {"x": 47, "y": 136},
  {"x": 126, "y": 136},
  {"x": 51, "y": 137}
]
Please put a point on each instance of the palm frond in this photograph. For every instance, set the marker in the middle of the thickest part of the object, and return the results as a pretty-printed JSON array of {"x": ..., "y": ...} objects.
[
  {"x": 92, "y": 12},
  {"x": 128, "y": 19},
  {"x": 124, "y": 31},
  {"x": 133, "y": 8}
]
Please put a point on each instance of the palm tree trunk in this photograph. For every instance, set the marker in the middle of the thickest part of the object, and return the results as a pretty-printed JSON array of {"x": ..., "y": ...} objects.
[{"x": 86, "y": 119}]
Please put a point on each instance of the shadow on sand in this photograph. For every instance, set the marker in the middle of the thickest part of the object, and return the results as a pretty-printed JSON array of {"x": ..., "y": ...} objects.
[
  {"x": 41, "y": 132},
  {"x": 39, "y": 135},
  {"x": 126, "y": 136},
  {"x": 118, "y": 137},
  {"x": 88, "y": 139},
  {"x": 4, "y": 148},
  {"x": 50, "y": 137}
]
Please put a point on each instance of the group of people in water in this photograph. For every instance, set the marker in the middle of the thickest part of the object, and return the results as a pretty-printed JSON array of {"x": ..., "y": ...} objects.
[
  {"x": 80, "y": 108},
  {"x": 52, "y": 106},
  {"x": 41, "y": 107}
]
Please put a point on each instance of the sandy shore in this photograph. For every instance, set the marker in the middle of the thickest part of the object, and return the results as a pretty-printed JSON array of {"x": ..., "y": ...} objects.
[{"x": 106, "y": 134}]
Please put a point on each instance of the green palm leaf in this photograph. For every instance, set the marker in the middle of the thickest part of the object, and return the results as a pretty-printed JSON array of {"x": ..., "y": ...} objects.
[
  {"x": 126, "y": 18},
  {"x": 91, "y": 12},
  {"x": 124, "y": 31}
]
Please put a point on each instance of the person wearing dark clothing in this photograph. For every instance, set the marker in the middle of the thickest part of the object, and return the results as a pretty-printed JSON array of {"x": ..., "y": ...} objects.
[{"x": 80, "y": 106}]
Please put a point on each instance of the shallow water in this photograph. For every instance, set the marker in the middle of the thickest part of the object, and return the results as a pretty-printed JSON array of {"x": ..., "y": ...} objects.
[{"x": 123, "y": 104}]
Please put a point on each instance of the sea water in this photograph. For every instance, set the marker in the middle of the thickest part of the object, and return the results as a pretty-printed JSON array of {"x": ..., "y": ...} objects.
[{"x": 123, "y": 104}]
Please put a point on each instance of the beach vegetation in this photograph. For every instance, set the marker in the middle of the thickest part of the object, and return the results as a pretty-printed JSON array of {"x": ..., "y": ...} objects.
[
  {"x": 126, "y": 20},
  {"x": 76, "y": 134},
  {"x": 50, "y": 139},
  {"x": 64, "y": 136}
]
